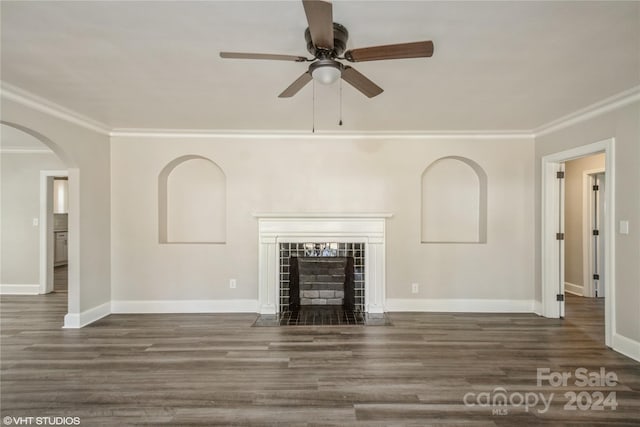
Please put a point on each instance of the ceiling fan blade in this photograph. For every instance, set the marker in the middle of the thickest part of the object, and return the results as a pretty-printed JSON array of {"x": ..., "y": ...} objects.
[
  {"x": 320, "y": 19},
  {"x": 360, "y": 82},
  {"x": 391, "y": 51},
  {"x": 296, "y": 86},
  {"x": 242, "y": 55}
]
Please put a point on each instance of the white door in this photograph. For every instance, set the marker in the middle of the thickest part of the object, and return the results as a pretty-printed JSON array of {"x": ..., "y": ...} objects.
[
  {"x": 560, "y": 237},
  {"x": 598, "y": 235}
]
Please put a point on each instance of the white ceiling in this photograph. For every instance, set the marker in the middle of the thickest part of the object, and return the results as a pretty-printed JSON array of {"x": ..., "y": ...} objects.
[{"x": 496, "y": 66}]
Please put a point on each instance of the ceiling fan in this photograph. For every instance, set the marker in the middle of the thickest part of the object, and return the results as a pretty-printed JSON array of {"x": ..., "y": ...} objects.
[{"x": 326, "y": 41}]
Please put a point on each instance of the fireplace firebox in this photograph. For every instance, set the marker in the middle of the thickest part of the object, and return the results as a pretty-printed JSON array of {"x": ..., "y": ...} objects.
[{"x": 313, "y": 275}]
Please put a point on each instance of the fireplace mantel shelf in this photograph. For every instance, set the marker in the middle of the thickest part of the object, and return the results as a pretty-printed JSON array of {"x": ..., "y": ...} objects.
[
  {"x": 278, "y": 227},
  {"x": 329, "y": 215}
]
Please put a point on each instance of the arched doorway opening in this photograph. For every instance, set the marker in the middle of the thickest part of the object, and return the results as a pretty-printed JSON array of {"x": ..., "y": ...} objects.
[{"x": 30, "y": 164}]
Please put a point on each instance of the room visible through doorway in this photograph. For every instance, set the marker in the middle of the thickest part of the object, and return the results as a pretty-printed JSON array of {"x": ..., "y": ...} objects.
[
  {"x": 584, "y": 217},
  {"x": 60, "y": 236}
]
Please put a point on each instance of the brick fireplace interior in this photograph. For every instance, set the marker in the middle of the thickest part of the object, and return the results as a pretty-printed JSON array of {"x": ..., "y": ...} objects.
[{"x": 321, "y": 281}]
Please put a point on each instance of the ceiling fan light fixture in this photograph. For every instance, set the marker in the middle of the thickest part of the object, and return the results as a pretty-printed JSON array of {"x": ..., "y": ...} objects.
[
  {"x": 326, "y": 72},
  {"x": 326, "y": 41}
]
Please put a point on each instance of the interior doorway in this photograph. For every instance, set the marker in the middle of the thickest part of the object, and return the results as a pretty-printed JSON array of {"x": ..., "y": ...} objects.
[
  {"x": 60, "y": 236},
  {"x": 555, "y": 230},
  {"x": 31, "y": 161},
  {"x": 584, "y": 213},
  {"x": 54, "y": 228},
  {"x": 584, "y": 218}
]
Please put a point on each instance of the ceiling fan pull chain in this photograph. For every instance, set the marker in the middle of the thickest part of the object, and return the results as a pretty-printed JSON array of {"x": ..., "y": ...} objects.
[
  {"x": 313, "y": 109},
  {"x": 340, "y": 122}
]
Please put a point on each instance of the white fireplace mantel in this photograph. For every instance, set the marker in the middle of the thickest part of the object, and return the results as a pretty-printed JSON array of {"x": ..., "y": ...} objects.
[{"x": 276, "y": 228}]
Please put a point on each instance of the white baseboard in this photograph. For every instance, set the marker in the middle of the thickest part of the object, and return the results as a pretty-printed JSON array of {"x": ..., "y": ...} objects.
[
  {"x": 79, "y": 320},
  {"x": 537, "y": 307},
  {"x": 186, "y": 306},
  {"x": 574, "y": 289},
  {"x": 19, "y": 289},
  {"x": 626, "y": 346},
  {"x": 74, "y": 320},
  {"x": 461, "y": 305}
]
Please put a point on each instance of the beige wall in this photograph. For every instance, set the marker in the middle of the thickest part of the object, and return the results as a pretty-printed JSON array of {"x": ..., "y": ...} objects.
[
  {"x": 622, "y": 124},
  {"x": 316, "y": 175},
  {"x": 573, "y": 226},
  {"x": 20, "y": 205},
  {"x": 86, "y": 154}
]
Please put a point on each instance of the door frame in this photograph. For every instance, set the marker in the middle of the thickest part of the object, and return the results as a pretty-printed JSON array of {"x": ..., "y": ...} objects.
[
  {"x": 46, "y": 228},
  {"x": 551, "y": 262},
  {"x": 587, "y": 229}
]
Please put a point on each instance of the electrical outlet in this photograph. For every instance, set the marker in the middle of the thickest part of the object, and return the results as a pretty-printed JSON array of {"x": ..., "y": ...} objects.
[
  {"x": 232, "y": 283},
  {"x": 414, "y": 288}
]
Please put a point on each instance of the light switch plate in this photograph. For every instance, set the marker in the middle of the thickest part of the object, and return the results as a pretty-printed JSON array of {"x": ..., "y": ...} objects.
[
  {"x": 36, "y": 221},
  {"x": 624, "y": 227},
  {"x": 232, "y": 283}
]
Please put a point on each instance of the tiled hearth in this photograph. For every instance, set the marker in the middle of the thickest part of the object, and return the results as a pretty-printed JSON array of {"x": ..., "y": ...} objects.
[{"x": 321, "y": 315}]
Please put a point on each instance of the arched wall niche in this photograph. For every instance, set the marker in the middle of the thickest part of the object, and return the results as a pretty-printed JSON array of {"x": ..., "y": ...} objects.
[
  {"x": 453, "y": 194},
  {"x": 192, "y": 201}
]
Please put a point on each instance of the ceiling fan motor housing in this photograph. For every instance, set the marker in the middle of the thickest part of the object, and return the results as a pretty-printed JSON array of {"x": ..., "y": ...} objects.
[{"x": 340, "y": 37}]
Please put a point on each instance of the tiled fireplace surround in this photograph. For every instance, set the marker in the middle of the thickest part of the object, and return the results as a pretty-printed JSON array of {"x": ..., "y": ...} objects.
[
  {"x": 321, "y": 274},
  {"x": 276, "y": 229}
]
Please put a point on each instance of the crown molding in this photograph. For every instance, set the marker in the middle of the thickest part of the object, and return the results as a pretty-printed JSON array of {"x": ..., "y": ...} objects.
[
  {"x": 349, "y": 135},
  {"x": 38, "y": 103},
  {"x": 601, "y": 107},
  {"x": 43, "y": 105}
]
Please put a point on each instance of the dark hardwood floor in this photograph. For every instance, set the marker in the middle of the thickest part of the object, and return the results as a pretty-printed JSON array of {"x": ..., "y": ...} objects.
[
  {"x": 215, "y": 369},
  {"x": 60, "y": 278}
]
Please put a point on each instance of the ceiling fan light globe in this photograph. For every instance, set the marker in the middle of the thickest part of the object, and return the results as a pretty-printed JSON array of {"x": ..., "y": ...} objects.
[{"x": 326, "y": 75}]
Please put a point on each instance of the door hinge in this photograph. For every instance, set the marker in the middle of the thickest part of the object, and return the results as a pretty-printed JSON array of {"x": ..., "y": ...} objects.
[
  {"x": 560, "y": 174},
  {"x": 596, "y": 232},
  {"x": 596, "y": 277},
  {"x": 560, "y": 297},
  {"x": 559, "y": 236},
  {"x": 596, "y": 187}
]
